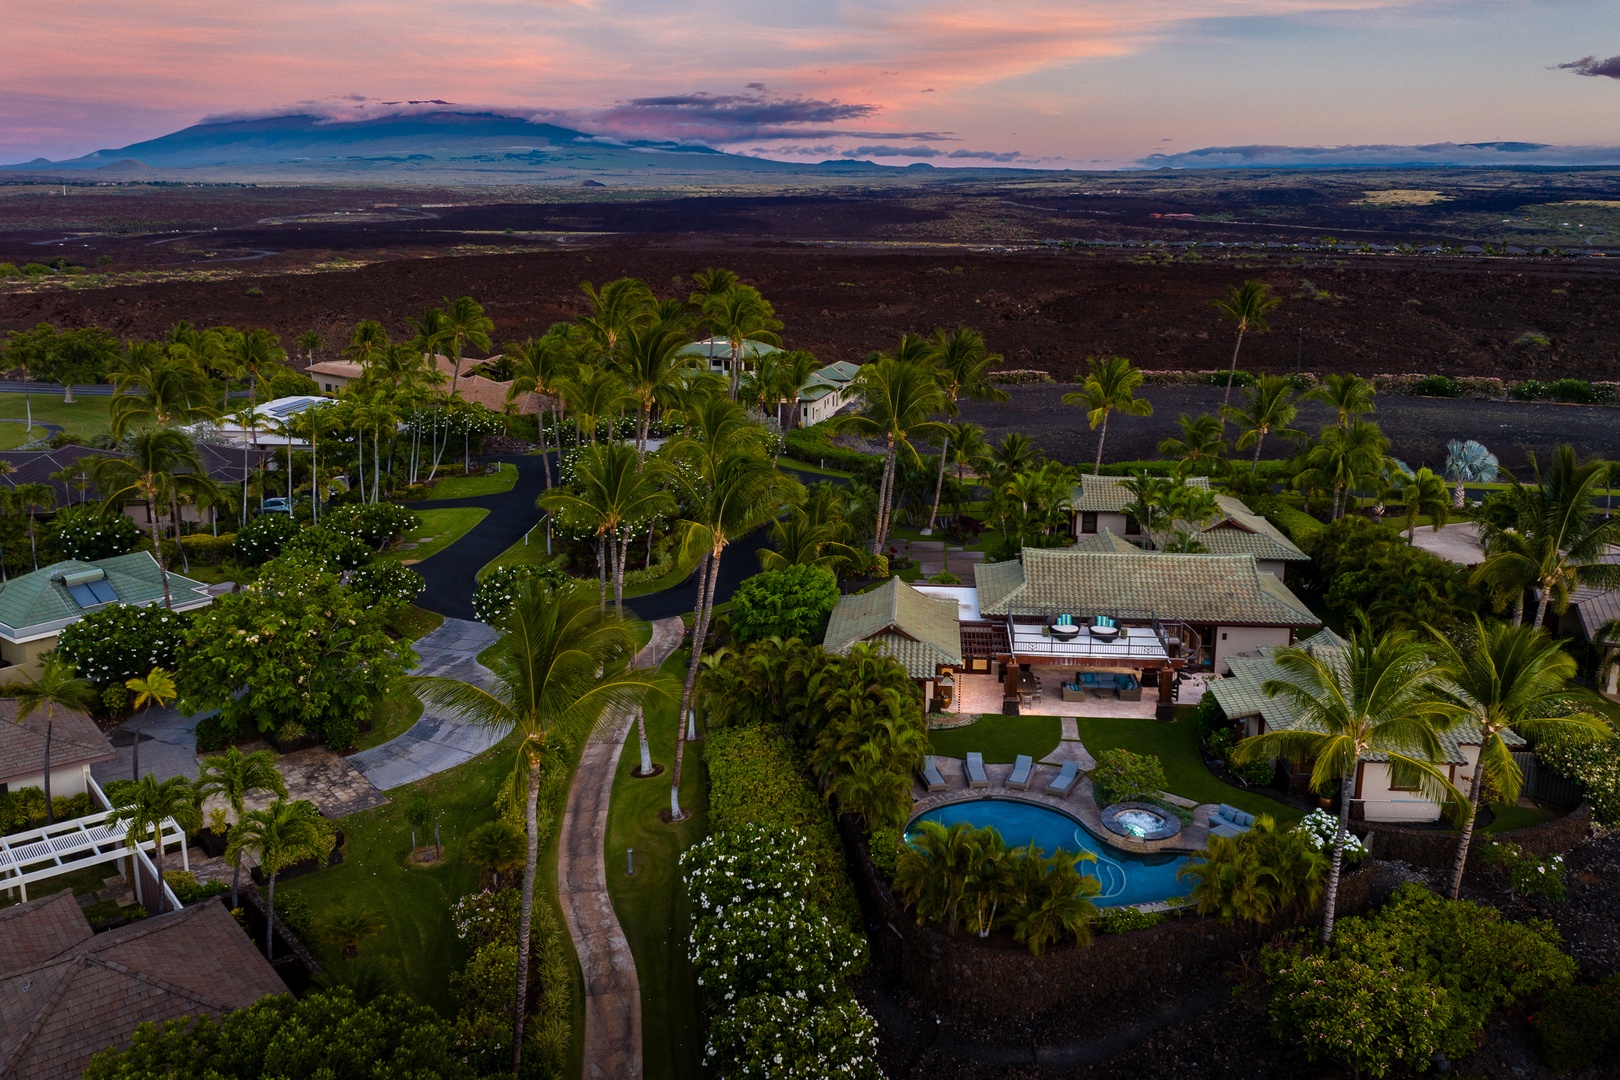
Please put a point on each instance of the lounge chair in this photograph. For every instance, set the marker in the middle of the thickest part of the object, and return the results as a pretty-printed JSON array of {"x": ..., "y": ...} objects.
[
  {"x": 975, "y": 770},
  {"x": 1230, "y": 821},
  {"x": 932, "y": 780},
  {"x": 1129, "y": 688},
  {"x": 1019, "y": 780},
  {"x": 1064, "y": 782}
]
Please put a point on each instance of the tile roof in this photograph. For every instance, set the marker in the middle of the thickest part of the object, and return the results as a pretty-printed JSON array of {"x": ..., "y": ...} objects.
[
  {"x": 920, "y": 631},
  {"x": 38, "y": 602},
  {"x": 75, "y": 740},
  {"x": 841, "y": 372},
  {"x": 1105, "y": 542},
  {"x": 718, "y": 348},
  {"x": 1237, "y": 529},
  {"x": 1594, "y": 607},
  {"x": 41, "y": 929},
  {"x": 343, "y": 369},
  {"x": 1108, "y": 494},
  {"x": 1222, "y": 589},
  {"x": 56, "y": 1012},
  {"x": 996, "y": 581}
]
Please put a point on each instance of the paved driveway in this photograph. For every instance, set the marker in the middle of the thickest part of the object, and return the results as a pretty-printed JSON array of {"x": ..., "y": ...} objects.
[{"x": 452, "y": 574}]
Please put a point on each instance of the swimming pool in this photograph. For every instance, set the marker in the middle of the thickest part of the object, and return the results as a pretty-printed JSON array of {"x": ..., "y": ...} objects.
[{"x": 1125, "y": 877}]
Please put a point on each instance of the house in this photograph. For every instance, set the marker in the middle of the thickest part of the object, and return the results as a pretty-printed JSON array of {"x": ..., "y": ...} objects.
[
  {"x": 922, "y": 632},
  {"x": 1590, "y": 610},
  {"x": 34, "y": 607},
  {"x": 76, "y": 744},
  {"x": 826, "y": 392},
  {"x": 1099, "y": 507},
  {"x": 67, "y": 993},
  {"x": 335, "y": 376},
  {"x": 1375, "y": 795},
  {"x": 69, "y": 472},
  {"x": 716, "y": 352}
]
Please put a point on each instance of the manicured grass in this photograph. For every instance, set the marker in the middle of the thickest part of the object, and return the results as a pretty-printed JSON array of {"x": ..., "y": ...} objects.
[
  {"x": 811, "y": 470},
  {"x": 678, "y": 572},
  {"x": 532, "y": 553},
  {"x": 393, "y": 716},
  {"x": 1176, "y": 745},
  {"x": 1509, "y": 818},
  {"x": 86, "y": 417},
  {"x": 469, "y": 487},
  {"x": 1000, "y": 738},
  {"x": 437, "y": 531},
  {"x": 413, "y": 623},
  {"x": 652, "y": 906}
]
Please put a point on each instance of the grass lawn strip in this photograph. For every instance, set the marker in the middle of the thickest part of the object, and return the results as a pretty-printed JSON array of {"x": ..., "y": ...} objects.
[
  {"x": 652, "y": 906},
  {"x": 471, "y": 487},
  {"x": 414, "y": 623},
  {"x": 1000, "y": 738},
  {"x": 86, "y": 417},
  {"x": 443, "y": 526},
  {"x": 1509, "y": 818},
  {"x": 532, "y": 553}
]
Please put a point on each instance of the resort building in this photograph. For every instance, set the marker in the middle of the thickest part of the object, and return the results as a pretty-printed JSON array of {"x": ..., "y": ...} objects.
[
  {"x": 76, "y": 744},
  {"x": 823, "y": 395},
  {"x": 919, "y": 630},
  {"x": 35, "y": 607},
  {"x": 1099, "y": 507},
  {"x": 1375, "y": 794}
]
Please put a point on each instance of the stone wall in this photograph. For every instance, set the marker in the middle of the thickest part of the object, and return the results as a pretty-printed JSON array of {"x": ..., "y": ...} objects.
[{"x": 1436, "y": 849}]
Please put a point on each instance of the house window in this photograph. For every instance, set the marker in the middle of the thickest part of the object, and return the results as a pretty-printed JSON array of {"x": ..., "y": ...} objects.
[
  {"x": 1088, "y": 523},
  {"x": 1131, "y": 526}
]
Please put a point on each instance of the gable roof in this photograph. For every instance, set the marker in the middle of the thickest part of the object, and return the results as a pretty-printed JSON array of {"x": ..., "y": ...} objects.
[
  {"x": 1105, "y": 542},
  {"x": 1222, "y": 589},
  {"x": 75, "y": 740},
  {"x": 57, "y": 1011},
  {"x": 1109, "y": 495},
  {"x": 920, "y": 631},
  {"x": 1237, "y": 529},
  {"x": 841, "y": 372},
  {"x": 719, "y": 348},
  {"x": 39, "y": 603}
]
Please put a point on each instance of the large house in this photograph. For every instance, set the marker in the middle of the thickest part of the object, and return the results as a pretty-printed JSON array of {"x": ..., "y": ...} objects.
[
  {"x": 823, "y": 395},
  {"x": 1375, "y": 795},
  {"x": 67, "y": 993},
  {"x": 1099, "y": 507},
  {"x": 76, "y": 744},
  {"x": 334, "y": 376},
  {"x": 921, "y": 631},
  {"x": 35, "y": 607}
]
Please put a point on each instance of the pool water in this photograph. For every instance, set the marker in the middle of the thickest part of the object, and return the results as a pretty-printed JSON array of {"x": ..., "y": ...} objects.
[{"x": 1126, "y": 878}]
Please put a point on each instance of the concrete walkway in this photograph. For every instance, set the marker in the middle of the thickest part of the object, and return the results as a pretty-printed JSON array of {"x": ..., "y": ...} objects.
[
  {"x": 612, "y": 992},
  {"x": 436, "y": 742}
]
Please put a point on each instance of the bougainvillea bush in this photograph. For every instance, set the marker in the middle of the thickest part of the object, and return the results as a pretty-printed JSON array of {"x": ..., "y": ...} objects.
[{"x": 121, "y": 641}]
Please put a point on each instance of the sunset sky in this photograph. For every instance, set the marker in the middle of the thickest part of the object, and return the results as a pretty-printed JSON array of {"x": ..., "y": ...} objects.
[{"x": 1082, "y": 83}]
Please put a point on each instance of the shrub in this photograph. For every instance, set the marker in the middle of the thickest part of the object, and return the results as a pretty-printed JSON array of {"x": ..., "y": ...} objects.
[
  {"x": 1122, "y": 920},
  {"x": 497, "y": 588},
  {"x": 20, "y": 808},
  {"x": 1576, "y": 392},
  {"x": 1121, "y": 776},
  {"x": 1594, "y": 764},
  {"x": 1578, "y": 1027},
  {"x": 339, "y": 549},
  {"x": 1258, "y": 875},
  {"x": 1437, "y": 386},
  {"x": 86, "y": 535},
  {"x": 211, "y": 734},
  {"x": 387, "y": 583},
  {"x": 375, "y": 524},
  {"x": 122, "y": 641},
  {"x": 794, "y": 601},
  {"x": 772, "y": 945},
  {"x": 261, "y": 539},
  {"x": 1529, "y": 390},
  {"x": 1372, "y": 1018},
  {"x": 813, "y": 445},
  {"x": 1320, "y": 827},
  {"x": 1295, "y": 522},
  {"x": 200, "y": 548},
  {"x": 1527, "y": 875},
  {"x": 188, "y": 890},
  {"x": 1239, "y": 378},
  {"x": 788, "y": 1037}
]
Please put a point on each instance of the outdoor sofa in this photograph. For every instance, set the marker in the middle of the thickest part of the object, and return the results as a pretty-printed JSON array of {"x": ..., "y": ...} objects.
[{"x": 1230, "y": 821}]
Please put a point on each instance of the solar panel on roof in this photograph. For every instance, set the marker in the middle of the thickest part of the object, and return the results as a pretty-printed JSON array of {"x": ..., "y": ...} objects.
[{"x": 92, "y": 593}]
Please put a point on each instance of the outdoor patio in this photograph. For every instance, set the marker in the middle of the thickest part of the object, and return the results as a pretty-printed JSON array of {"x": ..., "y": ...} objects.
[{"x": 980, "y": 694}]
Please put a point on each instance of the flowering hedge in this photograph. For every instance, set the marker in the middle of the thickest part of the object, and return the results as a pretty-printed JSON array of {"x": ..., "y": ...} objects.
[
  {"x": 121, "y": 641},
  {"x": 375, "y": 524},
  {"x": 787, "y": 1038},
  {"x": 1595, "y": 765},
  {"x": 387, "y": 583},
  {"x": 1321, "y": 827},
  {"x": 85, "y": 534},
  {"x": 261, "y": 538},
  {"x": 499, "y": 587}
]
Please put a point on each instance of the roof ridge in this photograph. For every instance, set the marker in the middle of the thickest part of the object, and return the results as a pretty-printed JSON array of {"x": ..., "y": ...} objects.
[
  {"x": 72, "y": 966},
  {"x": 153, "y": 980}
]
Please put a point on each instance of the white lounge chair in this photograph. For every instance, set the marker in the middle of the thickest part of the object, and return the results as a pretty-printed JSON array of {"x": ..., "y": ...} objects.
[
  {"x": 1065, "y": 780},
  {"x": 932, "y": 780},
  {"x": 1019, "y": 780},
  {"x": 975, "y": 770}
]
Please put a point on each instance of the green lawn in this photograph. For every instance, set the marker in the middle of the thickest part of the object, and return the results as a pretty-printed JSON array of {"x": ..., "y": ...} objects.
[
  {"x": 813, "y": 471},
  {"x": 468, "y": 487},
  {"x": 532, "y": 553},
  {"x": 86, "y": 417},
  {"x": 1509, "y": 818},
  {"x": 414, "y": 623},
  {"x": 393, "y": 716},
  {"x": 437, "y": 531},
  {"x": 1000, "y": 738},
  {"x": 652, "y": 906},
  {"x": 678, "y": 572}
]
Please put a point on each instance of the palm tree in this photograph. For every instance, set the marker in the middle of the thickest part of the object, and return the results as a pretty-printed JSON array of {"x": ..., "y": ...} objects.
[
  {"x": 597, "y": 396},
  {"x": 151, "y": 387},
  {"x": 1015, "y": 453},
  {"x": 1109, "y": 387},
  {"x": 1342, "y": 458},
  {"x": 1247, "y": 305},
  {"x": 969, "y": 449},
  {"x": 652, "y": 363},
  {"x": 1054, "y": 899},
  {"x": 797, "y": 366},
  {"x": 1468, "y": 462},
  {"x": 934, "y": 868},
  {"x": 899, "y": 396},
  {"x": 1375, "y": 695},
  {"x": 57, "y": 686},
  {"x": 559, "y": 663},
  {"x": 347, "y": 927},
  {"x": 149, "y": 802},
  {"x": 613, "y": 494},
  {"x": 464, "y": 323},
  {"x": 1511, "y": 678},
  {"x": 1416, "y": 494},
  {"x": 962, "y": 365},
  {"x": 619, "y": 306},
  {"x": 1348, "y": 395},
  {"x": 541, "y": 366},
  {"x": 1268, "y": 409},
  {"x": 992, "y": 879},
  {"x": 741, "y": 315},
  {"x": 1562, "y": 540},
  {"x": 869, "y": 784},
  {"x": 799, "y": 541},
  {"x": 233, "y": 776},
  {"x": 278, "y": 836},
  {"x": 254, "y": 352},
  {"x": 310, "y": 342},
  {"x": 31, "y": 498},
  {"x": 156, "y": 688},
  {"x": 1202, "y": 443},
  {"x": 495, "y": 847},
  {"x": 160, "y": 464}
]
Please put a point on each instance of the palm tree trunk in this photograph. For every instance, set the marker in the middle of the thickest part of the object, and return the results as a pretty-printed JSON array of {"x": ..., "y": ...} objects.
[
  {"x": 545, "y": 458},
  {"x": 376, "y": 466},
  {"x": 1101, "y": 439},
  {"x": 601, "y": 568},
  {"x": 885, "y": 494},
  {"x": 1468, "y": 826},
  {"x": 700, "y": 630},
  {"x": 1232, "y": 373},
  {"x": 50, "y": 816},
  {"x": 163, "y": 567},
  {"x": 939, "y": 485},
  {"x": 1259, "y": 440},
  {"x": 236, "y": 878},
  {"x": 32, "y": 547},
  {"x": 1331, "y": 902},
  {"x": 621, "y": 547},
  {"x": 1541, "y": 606},
  {"x": 531, "y": 865},
  {"x": 646, "y": 750}
]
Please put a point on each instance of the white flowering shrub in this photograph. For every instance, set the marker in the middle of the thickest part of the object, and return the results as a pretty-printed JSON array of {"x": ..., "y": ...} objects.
[
  {"x": 375, "y": 524},
  {"x": 87, "y": 535},
  {"x": 1321, "y": 827},
  {"x": 1527, "y": 874},
  {"x": 1592, "y": 763},
  {"x": 742, "y": 864},
  {"x": 497, "y": 589},
  {"x": 483, "y": 917},
  {"x": 387, "y": 583},
  {"x": 771, "y": 946},
  {"x": 121, "y": 641},
  {"x": 788, "y": 1038},
  {"x": 261, "y": 538}
]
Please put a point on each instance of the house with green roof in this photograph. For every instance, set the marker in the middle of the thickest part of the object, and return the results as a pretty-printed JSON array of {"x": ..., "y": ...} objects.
[
  {"x": 826, "y": 392},
  {"x": 922, "y": 632},
  {"x": 35, "y": 607},
  {"x": 1375, "y": 795}
]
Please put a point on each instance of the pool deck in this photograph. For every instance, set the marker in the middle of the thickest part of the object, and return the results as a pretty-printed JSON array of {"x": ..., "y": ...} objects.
[{"x": 1079, "y": 803}]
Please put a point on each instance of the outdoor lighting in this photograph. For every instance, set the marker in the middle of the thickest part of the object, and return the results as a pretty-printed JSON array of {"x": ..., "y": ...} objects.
[{"x": 629, "y": 862}]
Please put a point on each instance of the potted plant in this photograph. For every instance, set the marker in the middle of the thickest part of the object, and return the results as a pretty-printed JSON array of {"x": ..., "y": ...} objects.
[{"x": 212, "y": 838}]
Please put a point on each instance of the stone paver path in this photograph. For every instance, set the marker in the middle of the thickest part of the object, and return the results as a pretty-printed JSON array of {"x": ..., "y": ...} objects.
[
  {"x": 612, "y": 992},
  {"x": 436, "y": 742}
]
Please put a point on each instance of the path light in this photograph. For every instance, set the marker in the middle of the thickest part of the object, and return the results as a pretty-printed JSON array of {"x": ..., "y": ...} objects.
[{"x": 630, "y": 862}]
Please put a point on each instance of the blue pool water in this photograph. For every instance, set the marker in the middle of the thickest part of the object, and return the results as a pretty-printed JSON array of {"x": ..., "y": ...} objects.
[{"x": 1126, "y": 878}]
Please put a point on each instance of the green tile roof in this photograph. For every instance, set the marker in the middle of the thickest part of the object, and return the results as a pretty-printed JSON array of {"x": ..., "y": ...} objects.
[
  {"x": 1105, "y": 542},
  {"x": 1237, "y": 529},
  {"x": 39, "y": 602},
  {"x": 996, "y": 581},
  {"x": 1109, "y": 495},
  {"x": 1223, "y": 589},
  {"x": 841, "y": 372},
  {"x": 920, "y": 631}
]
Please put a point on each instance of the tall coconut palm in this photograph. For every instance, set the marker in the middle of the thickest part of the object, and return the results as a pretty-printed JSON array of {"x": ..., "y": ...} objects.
[
  {"x": 57, "y": 688},
  {"x": 1416, "y": 494},
  {"x": 799, "y": 541},
  {"x": 277, "y": 836},
  {"x": 1343, "y": 458},
  {"x": 898, "y": 396},
  {"x": 613, "y": 494},
  {"x": 560, "y": 662},
  {"x": 652, "y": 362},
  {"x": 255, "y": 352},
  {"x": 741, "y": 316},
  {"x": 1380, "y": 696},
  {"x": 1202, "y": 444},
  {"x": 233, "y": 776},
  {"x": 596, "y": 396},
  {"x": 1109, "y": 387},
  {"x": 31, "y": 498},
  {"x": 797, "y": 366},
  {"x": 464, "y": 324},
  {"x": 1015, "y": 453},
  {"x": 540, "y": 366},
  {"x": 962, "y": 365},
  {"x": 149, "y": 802},
  {"x": 1247, "y": 306},
  {"x": 151, "y": 387},
  {"x": 1268, "y": 409},
  {"x": 157, "y": 688},
  {"x": 1468, "y": 462},
  {"x": 1348, "y": 395},
  {"x": 616, "y": 308},
  {"x": 1518, "y": 679}
]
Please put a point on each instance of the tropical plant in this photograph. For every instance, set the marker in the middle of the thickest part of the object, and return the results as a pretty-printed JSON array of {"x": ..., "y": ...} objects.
[
  {"x": 1348, "y": 395},
  {"x": 147, "y": 803},
  {"x": 541, "y": 366},
  {"x": 1120, "y": 776},
  {"x": 277, "y": 836},
  {"x": 1247, "y": 306},
  {"x": 934, "y": 870},
  {"x": 233, "y": 776},
  {"x": 743, "y": 317},
  {"x": 613, "y": 494},
  {"x": 1468, "y": 462},
  {"x": 1417, "y": 494},
  {"x": 961, "y": 364},
  {"x": 794, "y": 601},
  {"x": 652, "y": 363},
  {"x": 152, "y": 387},
  {"x": 57, "y": 687},
  {"x": 156, "y": 687},
  {"x": 1257, "y": 875},
  {"x": 1201, "y": 447},
  {"x": 464, "y": 324},
  {"x": 1053, "y": 899},
  {"x": 347, "y": 927},
  {"x": 898, "y": 397},
  {"x": 1268, "y": 409},
  {"x": 118, "y": 642},
  {"x": 495, "y": 847},
  {"x": 1108, "y": 387},
  {"x": 1341, "y": 459},
  {"x": 160, "y": 465}
]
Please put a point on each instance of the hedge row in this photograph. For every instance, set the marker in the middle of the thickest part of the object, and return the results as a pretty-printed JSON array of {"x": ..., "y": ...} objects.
[
  {"x": 201, "y": 549},
  {"x": 813, "y": 445}
]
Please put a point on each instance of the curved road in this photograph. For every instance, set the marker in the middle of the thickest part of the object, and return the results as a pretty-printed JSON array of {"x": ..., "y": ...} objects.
[{"x": 451, "y": 574}]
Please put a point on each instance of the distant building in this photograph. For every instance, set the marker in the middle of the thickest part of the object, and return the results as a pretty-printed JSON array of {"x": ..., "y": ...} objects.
[
  {"x": 334, "y": 376},
  {"x": 826, "y": 392}
]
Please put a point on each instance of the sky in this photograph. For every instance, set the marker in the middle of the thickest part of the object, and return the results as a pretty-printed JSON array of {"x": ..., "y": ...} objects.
[{"x": 1043, "y": 83}]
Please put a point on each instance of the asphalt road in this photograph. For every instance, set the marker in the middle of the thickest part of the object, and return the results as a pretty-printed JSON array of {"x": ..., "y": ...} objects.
[{"x": 452, "y": 574}]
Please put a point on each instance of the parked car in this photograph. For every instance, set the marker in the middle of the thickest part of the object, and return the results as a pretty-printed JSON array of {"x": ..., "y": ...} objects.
[{"x": 278, "y": 505}]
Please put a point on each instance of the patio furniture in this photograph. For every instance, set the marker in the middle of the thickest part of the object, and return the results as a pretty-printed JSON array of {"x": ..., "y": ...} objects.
[
  {"x": 1230, "y": 821},
  {"x": 1073, "y": 692},
  {"x": 1064, "y": 628},
  {"x": 1130, "y": 689},
  {"x": 1104, "y": 629},
  {"x": 1019, "y": 780},
  {"x": 932, "y": 780},
  {"x": 1065, "y": 780},
  {"x": 975, "y": 770}
]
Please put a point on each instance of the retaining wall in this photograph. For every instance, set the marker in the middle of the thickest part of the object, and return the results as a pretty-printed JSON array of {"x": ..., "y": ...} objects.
[{"x": 1436, "y": 849}]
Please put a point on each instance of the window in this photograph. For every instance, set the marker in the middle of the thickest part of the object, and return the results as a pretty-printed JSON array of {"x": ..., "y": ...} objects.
[
  {"x": 1088, "y": 523},
  {"x": 1131, "y": 526},
  {"x": 92, "y": 593}
]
